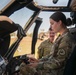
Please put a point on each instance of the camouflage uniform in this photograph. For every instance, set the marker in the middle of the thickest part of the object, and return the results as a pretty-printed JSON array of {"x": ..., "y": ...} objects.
[
  {"x": 53, "y": 64},
  {"x": 44, "y": 48}
]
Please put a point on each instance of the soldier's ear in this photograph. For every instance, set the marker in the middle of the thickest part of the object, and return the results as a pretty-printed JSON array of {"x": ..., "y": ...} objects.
[{"x": 60, "y": 22}]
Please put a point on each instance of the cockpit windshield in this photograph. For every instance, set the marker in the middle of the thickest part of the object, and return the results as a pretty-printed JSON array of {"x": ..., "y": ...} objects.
[{"x": 22, "y": 16}]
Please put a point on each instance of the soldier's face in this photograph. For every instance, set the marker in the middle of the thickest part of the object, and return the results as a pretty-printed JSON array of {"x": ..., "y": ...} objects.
[
  {"x": 51, "y": 35},
  {"x": 55, "y": 25}
]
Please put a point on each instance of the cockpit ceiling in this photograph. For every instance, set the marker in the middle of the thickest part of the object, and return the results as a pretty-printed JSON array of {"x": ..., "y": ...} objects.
[
  {"x": 51, "y": 2},
  {"x": 32, "y": 4},
  {"x": 45, "y": 5}
]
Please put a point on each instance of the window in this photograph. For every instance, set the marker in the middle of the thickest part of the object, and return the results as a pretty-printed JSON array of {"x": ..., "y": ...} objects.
[
  {"x": 3, "y": 3},
  {"x": 22, "y": 16}
]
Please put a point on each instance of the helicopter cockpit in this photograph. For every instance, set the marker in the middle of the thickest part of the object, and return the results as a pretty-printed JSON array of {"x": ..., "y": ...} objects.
[{"x": 32, "y": 17}]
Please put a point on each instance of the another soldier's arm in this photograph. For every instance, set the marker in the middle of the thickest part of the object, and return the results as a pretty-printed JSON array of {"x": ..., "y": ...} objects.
[
  {"x": 7, "y": 24},
  {"x": 40, "y": 51},
  {"x": 60, "y": 58}
]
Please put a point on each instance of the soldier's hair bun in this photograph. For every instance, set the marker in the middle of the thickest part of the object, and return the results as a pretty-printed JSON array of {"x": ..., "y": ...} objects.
[{"x": 69, "y": 22}]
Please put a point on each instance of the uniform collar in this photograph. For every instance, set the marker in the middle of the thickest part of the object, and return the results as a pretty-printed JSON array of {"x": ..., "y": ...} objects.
[
  {"x": 66, "y": 31},
  {"x": 49, "y": 41}
]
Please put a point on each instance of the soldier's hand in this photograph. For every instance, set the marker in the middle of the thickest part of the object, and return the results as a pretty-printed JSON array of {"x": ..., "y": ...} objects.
[
  {"x": 34, "y": 65},
  {"x": 33, "y": 60},
  {"x": 26, "y": 69}
]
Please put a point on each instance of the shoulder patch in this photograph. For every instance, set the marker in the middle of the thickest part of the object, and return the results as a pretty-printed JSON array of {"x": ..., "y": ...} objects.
[{"x": 62, "y": 52}]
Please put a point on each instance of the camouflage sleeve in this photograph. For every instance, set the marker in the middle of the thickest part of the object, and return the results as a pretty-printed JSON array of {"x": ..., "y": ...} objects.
[
  {"x": 44, "y": 58},
  {"x": 40, "y": 51},
  {"x": 57, "y": 61}
]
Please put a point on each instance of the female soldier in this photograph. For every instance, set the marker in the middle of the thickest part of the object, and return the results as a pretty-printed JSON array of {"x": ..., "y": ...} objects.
[{"x": 54, "y": 63}]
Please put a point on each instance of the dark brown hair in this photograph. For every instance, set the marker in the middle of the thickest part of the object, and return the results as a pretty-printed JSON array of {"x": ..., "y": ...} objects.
[{"x": 60, "y": 16}]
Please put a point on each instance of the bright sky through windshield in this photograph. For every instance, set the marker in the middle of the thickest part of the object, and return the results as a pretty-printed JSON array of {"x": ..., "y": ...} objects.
[
  {"x": 22, "y": 15},
  {"x": 3, "y": 3}
]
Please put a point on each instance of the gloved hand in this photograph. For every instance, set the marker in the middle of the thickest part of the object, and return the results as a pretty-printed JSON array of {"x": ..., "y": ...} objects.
[{"x": 20, "y": 31}]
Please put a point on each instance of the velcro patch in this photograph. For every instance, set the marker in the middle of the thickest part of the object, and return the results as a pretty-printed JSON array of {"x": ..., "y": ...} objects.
[{"x": 62, "y": 52}]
